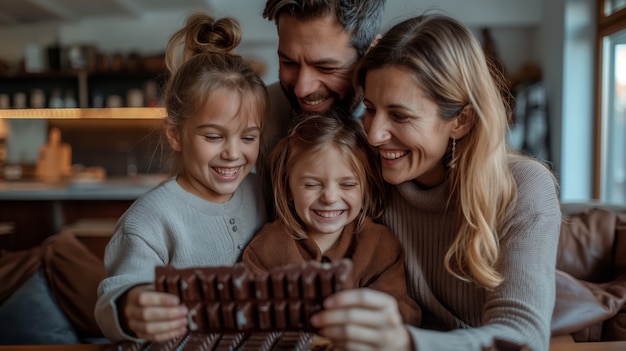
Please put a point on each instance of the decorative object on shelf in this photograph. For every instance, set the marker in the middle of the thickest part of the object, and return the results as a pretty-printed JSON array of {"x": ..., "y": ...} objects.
[
  {"x": 55, "y": 99},
  {"x": 69, "y": 101},
  {"x": 116, "y": 62},
  {"x": 114, "y": 101},
  {"x": 155, "y": 63},
  {"x": 134, "y": 98},
  {"x": 34, "y": 58},
  {"x": 37, "y": 98},
  {"x": 152, "y": 95},
  {"x": 82, "y": 57},
  {"x": 55, "y": 159},
  {"x": 5, "y": 101},
  {"x": 19, "y": 100},
  {"x": 23, "y": 140}
]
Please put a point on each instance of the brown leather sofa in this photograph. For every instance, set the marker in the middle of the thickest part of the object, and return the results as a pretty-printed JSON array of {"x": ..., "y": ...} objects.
[
  {"x": 591, "y": 273},
  {"x": 591, "y": 276}
]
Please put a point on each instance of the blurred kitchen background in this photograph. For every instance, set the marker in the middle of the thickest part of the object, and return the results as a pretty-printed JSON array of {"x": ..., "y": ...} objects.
[
  {"x": 118, "y": 47},
  {"x": 91, "y": 71}
]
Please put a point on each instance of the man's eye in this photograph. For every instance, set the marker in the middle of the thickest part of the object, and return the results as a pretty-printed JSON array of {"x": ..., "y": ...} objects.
[{"x": 327, "y": 69}]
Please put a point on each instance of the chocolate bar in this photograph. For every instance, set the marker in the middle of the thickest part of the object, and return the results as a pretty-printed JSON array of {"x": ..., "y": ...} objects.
[
  {"x": 231, "y": 308},
  {"x": 233, "y": 299},
  {"x": 278, "y": 341}
]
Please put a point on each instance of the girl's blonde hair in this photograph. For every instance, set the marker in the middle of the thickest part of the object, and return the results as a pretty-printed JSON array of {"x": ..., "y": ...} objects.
[
  {"x": 200, "y": 59},
  {"x": 449, "y": 64},
  {"x": 312, "y": 134}
]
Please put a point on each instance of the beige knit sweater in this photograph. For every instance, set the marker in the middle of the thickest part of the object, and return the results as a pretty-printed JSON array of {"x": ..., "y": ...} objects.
[{"x": 519, "y": 310}]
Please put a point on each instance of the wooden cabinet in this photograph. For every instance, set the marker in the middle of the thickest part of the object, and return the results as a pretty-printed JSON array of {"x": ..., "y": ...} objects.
[
  {"x": 34, "y": 221},
  {"x": 35, "y": 211}
]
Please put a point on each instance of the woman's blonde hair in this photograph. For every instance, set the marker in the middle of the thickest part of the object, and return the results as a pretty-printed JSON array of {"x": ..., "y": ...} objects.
[
  {"x": 311, "y": 135},
  {"x": 200, "y": 59},
  {"x": 449, "y": 64}
]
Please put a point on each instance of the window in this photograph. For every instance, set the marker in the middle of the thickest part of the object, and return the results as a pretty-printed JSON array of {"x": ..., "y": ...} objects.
[
  {"x": 610, "y": 178},
  {"x": 612, "y": 6}
]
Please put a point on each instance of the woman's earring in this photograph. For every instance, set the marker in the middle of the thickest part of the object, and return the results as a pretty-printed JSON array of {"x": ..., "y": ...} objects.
[{"x": 452, "y": 163}]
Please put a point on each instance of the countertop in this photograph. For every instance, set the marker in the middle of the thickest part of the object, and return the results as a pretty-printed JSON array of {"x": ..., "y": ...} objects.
[{"x": 118, "y": 188}]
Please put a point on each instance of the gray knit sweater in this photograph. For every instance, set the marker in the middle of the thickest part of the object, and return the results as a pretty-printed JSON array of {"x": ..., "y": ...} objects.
[
  {"x": 170, "y": 226},
  {"x": 519, "y": 310}
]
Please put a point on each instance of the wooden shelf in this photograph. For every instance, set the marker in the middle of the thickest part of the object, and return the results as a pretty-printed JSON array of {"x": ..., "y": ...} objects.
[
  {"x": 86, "y": 113},
  {"x": 73, "y": 73}
]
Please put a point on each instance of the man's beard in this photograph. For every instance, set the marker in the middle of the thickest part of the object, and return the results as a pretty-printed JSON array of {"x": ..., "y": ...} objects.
[{"x": 350, "y": 102}]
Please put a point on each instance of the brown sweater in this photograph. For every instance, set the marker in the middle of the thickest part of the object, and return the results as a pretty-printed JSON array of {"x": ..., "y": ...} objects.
[{"x": 377, "y": 258}]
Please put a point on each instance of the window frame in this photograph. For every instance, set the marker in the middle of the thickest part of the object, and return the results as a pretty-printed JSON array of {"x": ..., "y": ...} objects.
[{"x": 607, "y": 25}]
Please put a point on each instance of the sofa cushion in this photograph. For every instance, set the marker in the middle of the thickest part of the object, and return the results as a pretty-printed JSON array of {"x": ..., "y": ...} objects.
[
  {"x": 31, "y": 316},
  {"x": 74, "y": 272},
  {"x": 583, "y": 306},
  {"x": 591, "y": 275},
  {"x": 586, "y": 245}
]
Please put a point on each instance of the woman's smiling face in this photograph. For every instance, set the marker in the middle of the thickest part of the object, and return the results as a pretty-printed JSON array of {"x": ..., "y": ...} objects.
[{"x": 403, "y": 122}]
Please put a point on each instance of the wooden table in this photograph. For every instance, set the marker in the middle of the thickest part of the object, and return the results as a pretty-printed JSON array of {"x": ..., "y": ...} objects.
[
  {"x": 77, "y": 347},
  {"x": 581, "y": 346},
  {"x": 589, "y": 346}
]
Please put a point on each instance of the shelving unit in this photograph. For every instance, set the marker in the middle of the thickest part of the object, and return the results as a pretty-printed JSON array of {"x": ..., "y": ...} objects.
[{"x": 83, "y": 84}]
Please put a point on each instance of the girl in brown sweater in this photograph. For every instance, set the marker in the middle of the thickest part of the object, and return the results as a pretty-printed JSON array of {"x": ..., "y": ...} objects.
[{"x": 326, "y": 191}]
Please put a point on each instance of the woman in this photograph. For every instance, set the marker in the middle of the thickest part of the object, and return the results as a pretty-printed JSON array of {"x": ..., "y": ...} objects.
[{"x": 480, "y": 225}]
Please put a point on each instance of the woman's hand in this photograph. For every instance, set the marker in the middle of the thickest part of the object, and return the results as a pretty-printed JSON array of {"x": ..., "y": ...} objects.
[
  {"x": 362, "y": 319},
  {"x": 154, "y": 316}
]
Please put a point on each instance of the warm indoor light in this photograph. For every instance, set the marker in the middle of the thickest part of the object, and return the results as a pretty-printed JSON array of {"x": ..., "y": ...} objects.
[{"x": 78, "y": 113}]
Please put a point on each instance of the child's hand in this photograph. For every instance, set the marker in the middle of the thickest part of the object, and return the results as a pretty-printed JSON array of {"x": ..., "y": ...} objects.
[{"x": 154, "y": 316}]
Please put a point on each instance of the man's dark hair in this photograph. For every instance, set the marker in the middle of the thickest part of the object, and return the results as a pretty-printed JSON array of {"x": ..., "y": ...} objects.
[{"x": 361, "y": 18}]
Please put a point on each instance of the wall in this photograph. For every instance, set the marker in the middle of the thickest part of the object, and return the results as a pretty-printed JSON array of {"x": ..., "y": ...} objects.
[
  {"x": 513, "y": 23},
  {"x": 568, "y": 48},
  {"x": 577, "y": 148},
  {"x": 513, "y": 26}
]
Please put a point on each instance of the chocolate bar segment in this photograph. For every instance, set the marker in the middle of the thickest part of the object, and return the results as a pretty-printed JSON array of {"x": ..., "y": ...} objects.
[
  {"x": 200, "y": 342},
  {"x": 272, "y": 341},
  {"x": 232, "y": 299},
  {"x": 171, "y": 344}
]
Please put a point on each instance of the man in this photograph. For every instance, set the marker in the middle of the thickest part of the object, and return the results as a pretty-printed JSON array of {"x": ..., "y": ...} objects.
[{"x": 319, "y": 44}]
